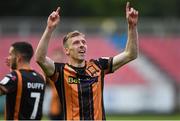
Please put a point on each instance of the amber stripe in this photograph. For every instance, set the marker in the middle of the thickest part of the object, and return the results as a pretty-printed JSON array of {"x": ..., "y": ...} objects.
[
  {"x": 71, "y": 98},
  {"x": 55, "y": 103},
  {"x": 18, "y": 96},
  {"x": 67, "y": 69}
]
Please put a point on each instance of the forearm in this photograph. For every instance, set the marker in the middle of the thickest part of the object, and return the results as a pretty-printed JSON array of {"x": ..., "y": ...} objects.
[
  {"x": 41, "y": 51},
  {"x": 131, "y": 50},
  {"x": 132, "y": 42},
  {"x": 45, "y": 63}
]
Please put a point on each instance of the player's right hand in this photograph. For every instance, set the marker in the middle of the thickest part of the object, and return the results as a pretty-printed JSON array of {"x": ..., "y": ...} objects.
[
  {"x": 131, "y": 15},
  {"x": 53, "y": 19}
]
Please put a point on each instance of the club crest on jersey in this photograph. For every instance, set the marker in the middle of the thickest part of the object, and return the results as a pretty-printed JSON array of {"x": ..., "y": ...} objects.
[
  {"x": 73, "y": 80},
  {"x": 92, "y": 71}
]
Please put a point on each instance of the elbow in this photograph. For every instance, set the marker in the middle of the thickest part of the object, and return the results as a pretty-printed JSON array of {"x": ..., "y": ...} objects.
[
  {"x": 133, "y": 56},
  {"x": 39, "y": 58}
]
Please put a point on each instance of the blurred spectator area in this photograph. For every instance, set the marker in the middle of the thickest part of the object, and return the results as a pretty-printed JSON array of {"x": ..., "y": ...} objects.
[{"x": 24, "y": 26}]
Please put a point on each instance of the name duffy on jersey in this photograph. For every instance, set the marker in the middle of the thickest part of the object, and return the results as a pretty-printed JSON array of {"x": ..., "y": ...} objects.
[{"x": 31, "y": 85}]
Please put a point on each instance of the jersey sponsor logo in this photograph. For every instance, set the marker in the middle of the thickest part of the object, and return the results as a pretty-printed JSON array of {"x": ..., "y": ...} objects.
[
  {"x": 73, "y": 80},
  {"x": 35, "y": 85},
  {"x": 90, "y": 80},
  {"x": 5, "y": 80}
]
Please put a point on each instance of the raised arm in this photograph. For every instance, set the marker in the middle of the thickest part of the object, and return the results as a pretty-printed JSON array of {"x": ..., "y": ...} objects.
[
  {"x": 131, "y": 51},
  {"x": 45, "y": 62}
]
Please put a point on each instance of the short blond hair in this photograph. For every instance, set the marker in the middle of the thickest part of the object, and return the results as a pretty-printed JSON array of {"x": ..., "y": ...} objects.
[{"x": 70, "y": 35}]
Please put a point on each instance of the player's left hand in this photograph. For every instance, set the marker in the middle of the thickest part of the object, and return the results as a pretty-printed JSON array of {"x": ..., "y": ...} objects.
[{"x": 131, "y": 15}]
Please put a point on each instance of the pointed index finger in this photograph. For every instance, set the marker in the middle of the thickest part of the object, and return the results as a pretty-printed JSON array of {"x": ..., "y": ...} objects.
[
  {"x": 58, "y": 10},
  {"x": 127, "y": 6}
]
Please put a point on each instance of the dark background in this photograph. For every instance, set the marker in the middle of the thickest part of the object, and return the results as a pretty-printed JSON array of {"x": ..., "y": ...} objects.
[{"x": 89, "y": 8}]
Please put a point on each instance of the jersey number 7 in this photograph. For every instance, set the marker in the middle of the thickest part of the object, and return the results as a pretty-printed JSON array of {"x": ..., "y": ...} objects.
[{"x": 35, "y": 95}]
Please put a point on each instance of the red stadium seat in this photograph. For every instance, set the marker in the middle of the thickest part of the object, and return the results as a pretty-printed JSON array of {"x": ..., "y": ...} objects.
[{"x": 165, "y": 53}]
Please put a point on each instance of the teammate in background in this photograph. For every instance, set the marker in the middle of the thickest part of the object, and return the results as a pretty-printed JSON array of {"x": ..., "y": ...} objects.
[
  {"x": 80, "y": 82},
  {"x": 23, "y": 87}
]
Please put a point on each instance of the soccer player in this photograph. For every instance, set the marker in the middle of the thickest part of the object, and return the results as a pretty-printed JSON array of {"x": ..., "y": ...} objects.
[
  {"x": 24, "y": 87},
  {"x": 80, "y": 82}
]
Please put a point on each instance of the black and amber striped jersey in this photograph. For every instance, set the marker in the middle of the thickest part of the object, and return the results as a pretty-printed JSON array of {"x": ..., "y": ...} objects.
[
  {"x": 55, "y": 104},
  {"x": 24, "y": 91},
  {"x": 81, "y": 89}
]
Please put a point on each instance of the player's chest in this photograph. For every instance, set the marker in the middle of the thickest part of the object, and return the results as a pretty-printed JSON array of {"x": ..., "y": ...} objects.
[{"x": 86, "y": 78}]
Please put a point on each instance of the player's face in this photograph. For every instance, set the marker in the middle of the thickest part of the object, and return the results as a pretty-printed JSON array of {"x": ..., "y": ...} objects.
[
  {"x": 77, "y": 48},
  {"x": 12, "y": 59}
]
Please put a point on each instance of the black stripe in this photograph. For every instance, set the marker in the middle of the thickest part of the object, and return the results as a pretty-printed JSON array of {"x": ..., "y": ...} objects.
[
  {"x": 91, "y": 104},
  {"x": 102, "y": 95},
  {"x": 80, "y": 102},
  {"x": 85, "y": 95},
  {"x": 110, "y": 64},
  {"x": 86, "y": 100},
  {"x": 61, "y": 90}
]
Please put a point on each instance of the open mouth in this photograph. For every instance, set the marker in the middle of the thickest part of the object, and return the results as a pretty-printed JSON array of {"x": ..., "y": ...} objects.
[{"x": 82, "y": 51}]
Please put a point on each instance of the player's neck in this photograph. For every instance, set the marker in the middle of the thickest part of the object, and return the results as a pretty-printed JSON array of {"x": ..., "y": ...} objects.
[
  {"x": 24, "y": 66},
  {"x": 77, "y": 63}
]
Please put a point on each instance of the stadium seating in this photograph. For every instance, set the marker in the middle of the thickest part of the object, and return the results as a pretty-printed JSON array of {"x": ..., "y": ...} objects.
[{"x": 164, "y": 52}]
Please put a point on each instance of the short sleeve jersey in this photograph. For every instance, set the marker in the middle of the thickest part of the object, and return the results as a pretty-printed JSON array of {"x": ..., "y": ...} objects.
[
  {"x": 24, "y": 91},
  {"x": 81, "y": 89}
]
